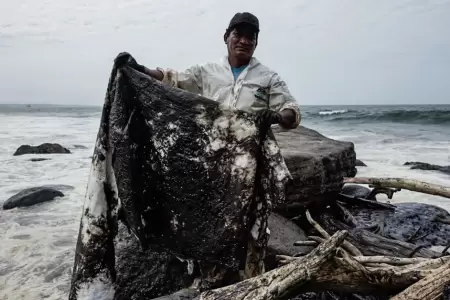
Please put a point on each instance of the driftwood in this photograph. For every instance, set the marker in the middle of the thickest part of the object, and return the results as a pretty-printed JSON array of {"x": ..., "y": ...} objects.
[
  {"x": 330, "y": 266},
  {"x": 431, "y": 287},
  {"x": 407, "y": 184}
]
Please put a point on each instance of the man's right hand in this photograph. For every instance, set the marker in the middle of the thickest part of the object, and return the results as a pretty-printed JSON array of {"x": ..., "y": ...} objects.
[{"x": 125, "y": 58}]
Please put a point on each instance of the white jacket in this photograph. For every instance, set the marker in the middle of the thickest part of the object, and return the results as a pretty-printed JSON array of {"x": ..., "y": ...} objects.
[{"x": 215, "y": 80}]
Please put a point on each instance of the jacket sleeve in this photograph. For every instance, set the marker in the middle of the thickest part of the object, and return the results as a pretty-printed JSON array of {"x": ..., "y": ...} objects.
[
  {"x": 189, "y": 79},
  {"x": 280, "y": 98}
]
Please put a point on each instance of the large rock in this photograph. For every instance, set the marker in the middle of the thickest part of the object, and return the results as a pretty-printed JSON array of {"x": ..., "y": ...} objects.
[
  {"x": 360, "y": 163},
  {"x": 59, "y": 187},
  {"x": 46, "y": 148},
  {"x": 416, "y": 223},
  {"x": 39, "y": 159},
  {"x": 31, "y": 196},
  {"x": 317, "y": 164},
  {"x": 356, "y": 190},
  {"x": 283, "y": 234},
  {"x": 428, "y": 167}
]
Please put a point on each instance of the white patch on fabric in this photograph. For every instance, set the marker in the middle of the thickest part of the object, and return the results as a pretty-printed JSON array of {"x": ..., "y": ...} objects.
[
  {"x": 216, "y": 145},
  {"x": 190, "y": 267},
  {"x": 241, "y": 129},
  {"x": 174, "y": 223},
  {"x": 255, "y": 229},
  {"x": 221, "y": 123},
  {"x": 190, "y": 264},
  {"x": 271, "y": 147},
  {"x": 201, "y": 118},
  {"x": 218, "y": 132},
  {"x": 244, "y": 166},
  {"x": 280, "y": 169},
  {"x": 163, "y": 144},
  {"x": 98, "y": 289},
  {"x": 96, "y": 204}
]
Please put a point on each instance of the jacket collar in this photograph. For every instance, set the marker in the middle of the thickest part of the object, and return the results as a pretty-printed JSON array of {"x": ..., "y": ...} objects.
[{"x": 253, "y": 62}]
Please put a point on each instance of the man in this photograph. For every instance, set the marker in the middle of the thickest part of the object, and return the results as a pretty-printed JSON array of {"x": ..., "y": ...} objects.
[{"x": 239, "y": 80}]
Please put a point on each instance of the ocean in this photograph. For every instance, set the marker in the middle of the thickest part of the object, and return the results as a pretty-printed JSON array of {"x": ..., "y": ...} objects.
[{"x": 38, "y": 242}]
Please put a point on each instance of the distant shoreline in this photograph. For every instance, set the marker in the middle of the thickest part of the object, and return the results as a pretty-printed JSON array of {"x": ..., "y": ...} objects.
[{"x": 304, "y": 105}]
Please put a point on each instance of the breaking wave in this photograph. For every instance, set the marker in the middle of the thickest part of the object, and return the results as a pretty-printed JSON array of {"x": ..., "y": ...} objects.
[
  {"x": 333, "y": 112},
  {"x": 440, "y": 116}
]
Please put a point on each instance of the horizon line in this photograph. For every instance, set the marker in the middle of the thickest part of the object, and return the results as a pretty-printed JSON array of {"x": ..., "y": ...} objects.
[{"x": 90, "y": 105}]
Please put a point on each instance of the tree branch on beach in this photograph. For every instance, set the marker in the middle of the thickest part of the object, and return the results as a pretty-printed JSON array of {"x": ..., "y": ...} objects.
[
  {"x": 407, "y": 184},
  {"x": 330, "y": 266}
]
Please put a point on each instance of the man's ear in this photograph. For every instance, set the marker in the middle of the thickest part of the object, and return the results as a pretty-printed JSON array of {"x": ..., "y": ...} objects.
[{"x": 225, "y": 36}]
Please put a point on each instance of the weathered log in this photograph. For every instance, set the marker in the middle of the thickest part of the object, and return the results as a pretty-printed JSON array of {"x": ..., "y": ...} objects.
[
  {"x": 316, "y": 163},
  {"x": 349, "y": 247},
  {"x": 407, "y": 184},
  {"x": 429, "y": 288},
  {"x": 279, "y": 282},
  {"x": 320, "y": 270}
]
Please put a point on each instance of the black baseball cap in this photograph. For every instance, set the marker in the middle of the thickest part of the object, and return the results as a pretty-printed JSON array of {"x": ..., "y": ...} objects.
[{"x": 244, "y": 18}]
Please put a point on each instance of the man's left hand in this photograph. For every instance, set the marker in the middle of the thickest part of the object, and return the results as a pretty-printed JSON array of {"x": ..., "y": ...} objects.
[
  {"x": 285, "y": 118},
  {"x": 269, "y": 117}
]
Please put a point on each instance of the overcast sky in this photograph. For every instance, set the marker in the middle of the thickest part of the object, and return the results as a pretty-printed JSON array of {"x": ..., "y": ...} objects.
[{"x": 329, "y": 52}]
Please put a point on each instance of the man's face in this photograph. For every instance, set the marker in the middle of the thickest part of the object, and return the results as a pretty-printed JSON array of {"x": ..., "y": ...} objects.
[{"x": 242, "y": 42}]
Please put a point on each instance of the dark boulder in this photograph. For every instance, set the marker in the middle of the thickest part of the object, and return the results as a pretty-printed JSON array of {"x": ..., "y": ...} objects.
[
  {"x": 31, "y": 196},
  {"x": 317, "y": 165},
  {"x": 416, "y": 165},
  {"x": 59, "y": 187},
  {"x": 356, "y": 190},
  {"x": 39, "y": 159},
  {"x": 46, "y": 148},
  {"x": 447, "y": 292},
  {"x": 360, "y": 163},
  {"x": 416, "y": 223},
  {"x": 283, "y": 234}
]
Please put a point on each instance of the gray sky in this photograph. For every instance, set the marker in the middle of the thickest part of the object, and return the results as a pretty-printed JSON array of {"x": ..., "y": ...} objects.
[{"x": 329, "y": 52}]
